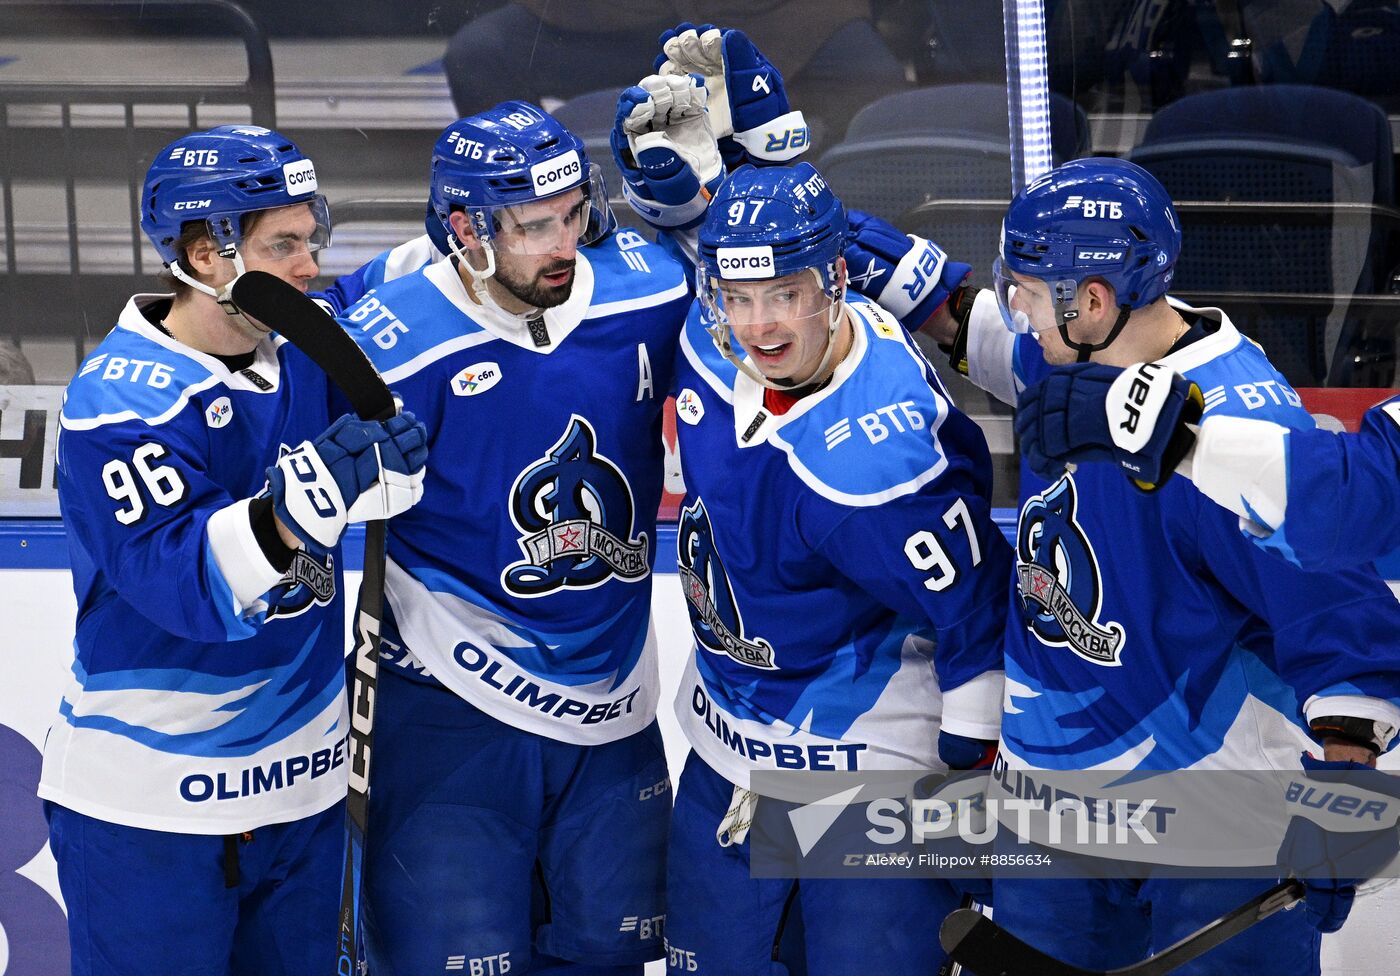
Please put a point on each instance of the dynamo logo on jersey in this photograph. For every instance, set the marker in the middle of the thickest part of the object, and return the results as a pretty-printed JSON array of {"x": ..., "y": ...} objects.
[
  {"x": 575, "y": 509},
  {"x": 1058, "y": 578},
  {"x": 709, "y": 596},
  {"x": 308, "y": 582}
]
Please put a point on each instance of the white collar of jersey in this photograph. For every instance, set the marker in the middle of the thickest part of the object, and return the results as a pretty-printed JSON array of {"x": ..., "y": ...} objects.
[
  {"x": 1202, "y": 351},
  {"x": 560, "y": 320},
  {"x": 700, "y": 358},
  {"x": 265, "y": 362},
  {"x": 748, "y": 394}
]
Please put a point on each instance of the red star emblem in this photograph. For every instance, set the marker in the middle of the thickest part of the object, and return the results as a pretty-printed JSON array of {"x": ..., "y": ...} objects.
[
  {"x": 569, "y": 539},
  {"x": 1040, "y": 586}
]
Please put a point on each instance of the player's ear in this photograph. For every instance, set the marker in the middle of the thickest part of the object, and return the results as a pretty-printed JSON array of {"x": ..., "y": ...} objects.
[
  {"x": 202, "y": 257},
  {"x": 462, "y": 227},
  {"x": 839, "y": 265},
  {"x": 1099, "y": 298}
]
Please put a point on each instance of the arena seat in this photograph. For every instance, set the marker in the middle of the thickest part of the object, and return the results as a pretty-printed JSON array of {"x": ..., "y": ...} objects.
[
  {"x": 942, "y": 142},
  {"x": 1308, "y": 176}
]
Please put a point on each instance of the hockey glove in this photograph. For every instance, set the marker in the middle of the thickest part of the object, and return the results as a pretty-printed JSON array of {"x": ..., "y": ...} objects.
[
  {"x": 908, "y": 275},
  {"x": 354, "y": 471},
  {"x": 1137, "y": 417},
  {"x": 748, "y": 107},
  {"x": 943, "y": 828},
  {"x": 1332, "y": 862},
  {"x": 958, "y": 752},
  {"x": 663, "y": 145}
]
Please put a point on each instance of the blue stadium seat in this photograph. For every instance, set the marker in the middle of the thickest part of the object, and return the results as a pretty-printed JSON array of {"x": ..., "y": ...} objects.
[
  {"x": 943, "y": 142},
  {"x": 1279, "y": 144},
  {"x": 1353, "y": 46}
]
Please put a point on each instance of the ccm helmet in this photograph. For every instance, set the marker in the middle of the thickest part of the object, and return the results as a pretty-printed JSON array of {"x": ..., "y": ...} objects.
[
  {"x": 1090, "y": 218},
  {"x": 493, "y": 162},
  {"x": 219, "y": 176}
]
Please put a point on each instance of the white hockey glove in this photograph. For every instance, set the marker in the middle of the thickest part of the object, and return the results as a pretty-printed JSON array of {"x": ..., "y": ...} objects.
[
  {"x": 666, "y": 151},
  {"x": 355, "y": 471},
  {"x": 747, "y": 97}
]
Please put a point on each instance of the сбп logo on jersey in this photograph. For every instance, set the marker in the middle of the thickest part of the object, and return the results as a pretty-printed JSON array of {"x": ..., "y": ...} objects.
[
  {"x": 1058, "y": 579},
  {"x": 575, "y": 509}
]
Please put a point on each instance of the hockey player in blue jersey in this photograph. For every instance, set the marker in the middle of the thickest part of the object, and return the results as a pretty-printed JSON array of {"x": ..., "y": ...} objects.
[
  {"x": 519, "y": 806},
  {"x": 542, "y": 353},
  {"x": 1135, "y": 634},
  {"x": 194, "y": 778},
  {"x": 845, "y": 583},
  {"x": 1318, "y": 499}
]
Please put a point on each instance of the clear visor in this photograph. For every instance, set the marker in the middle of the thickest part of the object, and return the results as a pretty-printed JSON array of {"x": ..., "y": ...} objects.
[
  {"x": 1013, "y": 312},
  {"x": 756, "y": 306},
  {"x": 286, "y": 238},
  {"x": 567, "y": 219}
]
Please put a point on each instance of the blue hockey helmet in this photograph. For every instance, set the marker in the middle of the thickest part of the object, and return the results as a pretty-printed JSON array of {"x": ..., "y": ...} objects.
[
  {"x": 765, "y": 224},
  {"x": 219, "y": 176},
  {"x": 787, "y": 212},
  {"x": 510, "y": 155},
  {"x": 1090, "y": 218}
]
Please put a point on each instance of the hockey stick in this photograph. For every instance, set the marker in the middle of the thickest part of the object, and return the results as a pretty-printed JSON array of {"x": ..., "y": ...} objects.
[
  {"x": 951, "y": 967},
  {"x": 986, "y": 949},
  {"x": 306, "y": 325}
]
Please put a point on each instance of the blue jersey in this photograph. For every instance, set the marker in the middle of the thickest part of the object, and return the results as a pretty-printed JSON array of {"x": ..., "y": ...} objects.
[
  {"x": 396, "y": 262},
  {"x": 1149, "y": 634},
  {"x": 208, "y": 687},
  {"x": 838, "y": 561},
  {"x": 521, "y": 581},
  {"x": 1341, "y": 493}
]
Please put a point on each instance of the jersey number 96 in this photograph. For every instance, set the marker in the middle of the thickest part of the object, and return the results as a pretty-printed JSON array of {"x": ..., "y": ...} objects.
[{"x": 123, "y": 482}]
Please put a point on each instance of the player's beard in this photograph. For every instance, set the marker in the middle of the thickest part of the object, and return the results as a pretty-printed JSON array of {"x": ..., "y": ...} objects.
[{"x": 535, "y": 292}]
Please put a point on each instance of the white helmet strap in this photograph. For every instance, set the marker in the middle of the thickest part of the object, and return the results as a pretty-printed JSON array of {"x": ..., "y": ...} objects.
[
  {"x": 479, "y": 274},
  {"x": 224, "y": 293}
]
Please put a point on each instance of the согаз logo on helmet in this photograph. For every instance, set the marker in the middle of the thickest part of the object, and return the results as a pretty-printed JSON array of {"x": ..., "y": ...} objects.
[
  {"x": 745, "y": 262},
  {"x": 556, "y": 173},
  {"x": 300, "y": 176}
]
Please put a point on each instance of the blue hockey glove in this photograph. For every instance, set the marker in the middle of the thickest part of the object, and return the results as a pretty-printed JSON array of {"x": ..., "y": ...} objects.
[
  {"x": 668, "y": 156},
  {"x": 965, "y": 796},
  {"x": 354, "y": 471},
  {"x": 748, "y": 106},
  {"x": 961, "y": 753},
  {"x": 908, "y": 275},
  {"x": 1331, "y": 863},
  {"x": 1137, "y": 417}
]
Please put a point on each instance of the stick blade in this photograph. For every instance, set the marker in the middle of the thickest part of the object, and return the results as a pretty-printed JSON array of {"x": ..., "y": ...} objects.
[
  {"x": 982, "y": 947},
  {"x": 286, "y": 310}
]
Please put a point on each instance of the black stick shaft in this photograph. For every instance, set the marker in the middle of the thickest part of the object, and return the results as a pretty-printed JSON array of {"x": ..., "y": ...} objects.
[
  {"x": 984, "y": 948},
  {"x": 303, "y": 323}
]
